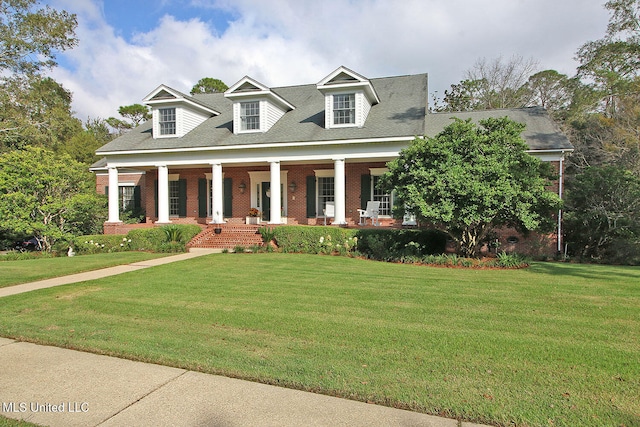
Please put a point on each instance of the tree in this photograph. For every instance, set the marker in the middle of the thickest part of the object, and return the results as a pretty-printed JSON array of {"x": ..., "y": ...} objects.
[
  {"x": 30, "y": 36},
  {"x": 83, "y": 145},
  {"x": 36, "y": 111},
  {"x": 208, "y": 85},
  {"x": 40, "y": 193},
  {"x": 133, "y": 114},
  {"x": 470, "y": 179},
  {"x": 602, "y": 214},
  {"x": 549, "y": 89}
]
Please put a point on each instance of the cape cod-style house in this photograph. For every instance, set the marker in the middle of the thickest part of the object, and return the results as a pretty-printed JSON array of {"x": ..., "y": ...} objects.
[{"x": 283, "y": 152}]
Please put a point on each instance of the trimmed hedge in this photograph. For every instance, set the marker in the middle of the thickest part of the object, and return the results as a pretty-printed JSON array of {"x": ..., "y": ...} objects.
[
  {"x": 155, "y": 239},
  {"x": 397, "y": 244},
  {"x": 379, "y": 244},
  {"x": 314, "y": 240}
]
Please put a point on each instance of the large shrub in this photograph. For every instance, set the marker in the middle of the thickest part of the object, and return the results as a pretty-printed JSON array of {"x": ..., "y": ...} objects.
[
  {"x": 315, "y": 240},
  {"x": 395, "y": 245}
]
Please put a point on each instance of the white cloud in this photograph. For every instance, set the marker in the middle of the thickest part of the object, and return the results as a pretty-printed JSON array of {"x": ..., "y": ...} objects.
[{"x": 283, "y": 42}]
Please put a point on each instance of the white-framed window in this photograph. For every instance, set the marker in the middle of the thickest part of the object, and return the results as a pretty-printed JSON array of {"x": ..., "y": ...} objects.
[
  {"x": 174, "y": 198},
  {"x": 385, "y": 199},
  {"x": 167, "y": 121},
  {"x": 126, "y": 197},
  {"x": 344, "y": 109},
  {"x": 326, "y": 191},
  {"x": 377, "y": 195},
  {"x": 250, "y": 115}
]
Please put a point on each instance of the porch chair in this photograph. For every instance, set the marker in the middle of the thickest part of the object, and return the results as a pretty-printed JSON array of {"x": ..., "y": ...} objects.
[
  {"x": 372, "y": 211},
  {"x": 329, "y": 211}
]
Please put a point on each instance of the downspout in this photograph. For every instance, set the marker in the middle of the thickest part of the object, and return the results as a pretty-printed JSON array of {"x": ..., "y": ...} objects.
[{"x": 560, "y": 182}]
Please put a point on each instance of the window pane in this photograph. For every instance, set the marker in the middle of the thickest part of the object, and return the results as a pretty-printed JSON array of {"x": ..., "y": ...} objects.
[
  {"x": 379, "y": 196},
  {"x": 344, "y": 109},
  {"x": 174, "y": 198},
  {"x": 250, "y": 115},
  {"x": 167, "y": 121},
  {"x": 126, "y": 198},
  {"x": 325, "y": 192}
]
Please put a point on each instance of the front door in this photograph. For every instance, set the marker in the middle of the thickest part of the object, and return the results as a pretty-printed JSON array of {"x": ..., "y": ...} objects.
[{"x": 266, "y": 201}]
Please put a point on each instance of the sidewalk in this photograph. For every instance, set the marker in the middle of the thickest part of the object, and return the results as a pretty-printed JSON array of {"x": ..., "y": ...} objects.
[
  {"x": 105, "y": 272},
  {"x": 58, "y": 387}
]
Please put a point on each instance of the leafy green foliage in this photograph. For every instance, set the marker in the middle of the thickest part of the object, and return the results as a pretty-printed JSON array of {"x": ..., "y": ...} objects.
[
  {"x": 312, "y": 240},
  {"x": 30, "y": 36},
  {"x": 46, "y": 196},
  {"x": 601, "y": 217},
  {"x": 208, "y": 85},
  {"x": 396, "y": 245},
  {"x": 170, "y": 238},
  {"x": 133, "y": 115},
  {"x": 35, "y": 111},
  {"x": 470, "y": 179}
]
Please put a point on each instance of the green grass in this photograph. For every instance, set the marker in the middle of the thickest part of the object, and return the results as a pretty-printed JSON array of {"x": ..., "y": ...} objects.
[
  {"x": 554, "y": 344},
  {"x": 24, "y": 271},
  {"x": 10, "y": 422}
]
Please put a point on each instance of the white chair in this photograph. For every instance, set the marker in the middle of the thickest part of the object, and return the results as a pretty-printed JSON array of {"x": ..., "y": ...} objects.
[
  {"x": 372, "y": 211},
  {"x": 329, "y": 211}
]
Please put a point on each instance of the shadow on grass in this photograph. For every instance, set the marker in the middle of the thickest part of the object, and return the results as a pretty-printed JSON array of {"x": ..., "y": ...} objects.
[{"x": 587, "y": 271}]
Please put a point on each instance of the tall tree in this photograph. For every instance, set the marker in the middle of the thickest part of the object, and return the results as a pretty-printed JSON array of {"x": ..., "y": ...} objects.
[
  {"x": 133, "y": 115},
  {"x": 35, "y": 111},
  {"x": 208, "y": 85},
  {"x": 470, "y": 179},
  {"x": 491, "y": 84},
  {"x": 83, "y": 145},
  {"x": 30, "y": 35},
  {"x": 601, "y": 215}
]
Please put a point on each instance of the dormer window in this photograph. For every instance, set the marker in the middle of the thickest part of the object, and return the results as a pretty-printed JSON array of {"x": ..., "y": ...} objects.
[
  {"x": 348, "y": 98},
  {"x": 167, "y": 121},
  {"x": 250, "y": 115},
  {"x": 344, "y": 109},
  {"x": 174, "y": 113},
  {"x": 256, "y": 108}
]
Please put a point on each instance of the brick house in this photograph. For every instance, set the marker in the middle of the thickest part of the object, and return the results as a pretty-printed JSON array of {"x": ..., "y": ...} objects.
[{"x": 285, "y": 151}]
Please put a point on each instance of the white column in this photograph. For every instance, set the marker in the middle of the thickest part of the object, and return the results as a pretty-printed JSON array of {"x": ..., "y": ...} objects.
[
  {"x": 217, "y": 212},
  {"x": 339, "y": 192},
  {"x": 275, "y": 193},
  {"x": 163, "y": 194},
  {"x": 114, "y": 208}
]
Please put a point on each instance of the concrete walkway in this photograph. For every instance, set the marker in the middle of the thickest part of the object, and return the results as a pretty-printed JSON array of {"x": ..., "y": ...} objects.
[
  {"x": 104, "y": 272},
  {"x": 58, "y": 387}
]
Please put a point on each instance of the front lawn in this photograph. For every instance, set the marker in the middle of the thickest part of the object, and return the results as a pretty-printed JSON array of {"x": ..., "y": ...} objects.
[
  {"x": 31, "y": 270},
  {"x": 554, "y": 344}
]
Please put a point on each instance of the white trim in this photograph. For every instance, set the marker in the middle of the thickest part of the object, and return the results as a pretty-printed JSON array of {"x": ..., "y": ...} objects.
[
  {"x": 324, "y": 173},
  {"x": 257, "y": 146},
  {"x": 378, "y": 171}
]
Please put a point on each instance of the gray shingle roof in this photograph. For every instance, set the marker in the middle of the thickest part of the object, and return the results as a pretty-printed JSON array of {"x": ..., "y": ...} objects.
[
  {"x": 400, "y": 113},
  {"x": 541, "y": 133}
]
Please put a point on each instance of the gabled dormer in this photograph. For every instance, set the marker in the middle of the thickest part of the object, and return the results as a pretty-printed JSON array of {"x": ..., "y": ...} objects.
[
  {"x": 174, "y": 113},
  {"x": 255, "y": 107},
  {"x": 348, "y": 98}
]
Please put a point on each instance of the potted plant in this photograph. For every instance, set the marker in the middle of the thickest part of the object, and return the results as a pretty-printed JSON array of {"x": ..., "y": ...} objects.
[{"x": 253, "y": 216}]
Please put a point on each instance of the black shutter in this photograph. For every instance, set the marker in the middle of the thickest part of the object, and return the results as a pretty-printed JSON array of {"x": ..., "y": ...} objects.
[
  {"x": 182, "y": 197},
  {"x": 311, "y": 196},
  {"x": 202, "y": 197},
  {"x": 137, "y": 198},
  {"x": 155, "y": 192},
  {"x": 227, "y": 205},
  {"x": 365, "y": 190}
]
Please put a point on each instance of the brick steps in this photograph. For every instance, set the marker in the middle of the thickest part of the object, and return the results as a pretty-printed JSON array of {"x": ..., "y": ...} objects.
[{"x": 229, "y": 237}]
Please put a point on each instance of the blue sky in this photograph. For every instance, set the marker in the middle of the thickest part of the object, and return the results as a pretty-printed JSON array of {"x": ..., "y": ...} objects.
[{"x": 128, "y": 48}]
